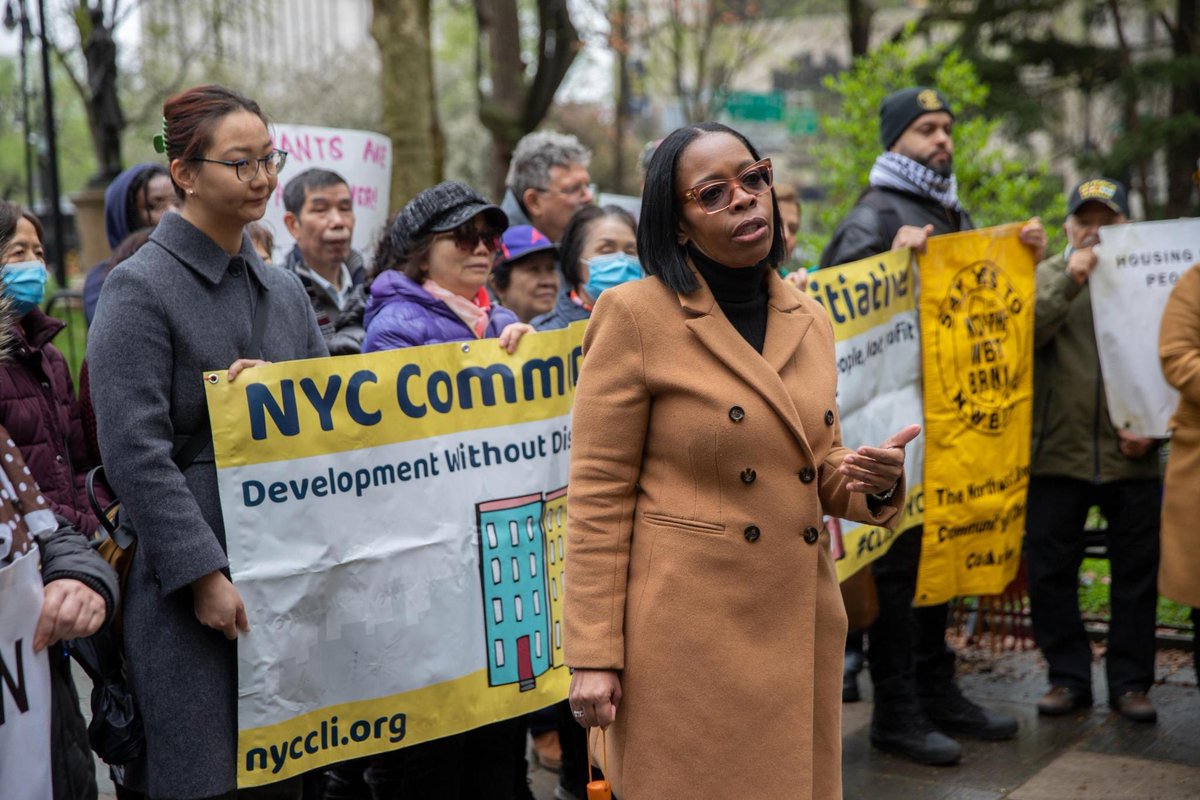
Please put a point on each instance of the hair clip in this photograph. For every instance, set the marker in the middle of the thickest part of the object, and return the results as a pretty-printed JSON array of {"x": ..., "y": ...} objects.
[{"x": 160, "y": 139}]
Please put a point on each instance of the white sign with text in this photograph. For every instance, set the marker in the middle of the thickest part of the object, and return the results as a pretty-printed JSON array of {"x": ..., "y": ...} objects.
[{"x": 1138, "y": 266}]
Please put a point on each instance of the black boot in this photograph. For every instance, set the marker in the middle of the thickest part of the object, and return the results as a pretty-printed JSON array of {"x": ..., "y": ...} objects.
[
  {"x": 852, "y": 664},
  {"x": 953, "y": 713},
  {"x": 900, "y": 727}
]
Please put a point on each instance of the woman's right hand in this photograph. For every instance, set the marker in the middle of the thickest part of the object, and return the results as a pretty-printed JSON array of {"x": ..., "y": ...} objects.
[
  {"x": 218, "y": 604},
  {"x": 594, "y": 697}
]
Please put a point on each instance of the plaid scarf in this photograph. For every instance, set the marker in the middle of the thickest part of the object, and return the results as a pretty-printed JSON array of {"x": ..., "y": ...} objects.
[{"x": 894, "y": 171}]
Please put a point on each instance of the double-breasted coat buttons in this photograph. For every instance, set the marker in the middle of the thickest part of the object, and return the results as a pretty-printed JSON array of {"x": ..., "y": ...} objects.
[
  {"x": 829, "y": 417},
  {"x": 752, "y": 533},
  {"x": 808, "y": 475},
  {"x": 737, "y": 414},
  {"x": 749, "y": 475},
  {"x": 811, "y": 535}
]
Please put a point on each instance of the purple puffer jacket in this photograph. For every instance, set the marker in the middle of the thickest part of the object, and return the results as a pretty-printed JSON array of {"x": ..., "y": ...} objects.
[
  {"x": 42, "y": 415},
  {"x": 402, "y": 314}
]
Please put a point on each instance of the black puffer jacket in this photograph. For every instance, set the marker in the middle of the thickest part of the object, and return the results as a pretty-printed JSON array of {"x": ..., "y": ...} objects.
[
  {"x": 871, "y": 225},
  {"x": 67, "y": 554}
]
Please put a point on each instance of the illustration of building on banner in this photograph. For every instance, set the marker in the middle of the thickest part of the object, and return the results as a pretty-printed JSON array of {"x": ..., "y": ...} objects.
[
  {"x": 554, "y": 522},
  {"x": 512, "y": 546}
]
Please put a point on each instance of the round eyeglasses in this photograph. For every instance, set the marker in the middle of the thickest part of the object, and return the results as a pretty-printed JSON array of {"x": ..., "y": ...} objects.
[{"x": 247, "y": 168}]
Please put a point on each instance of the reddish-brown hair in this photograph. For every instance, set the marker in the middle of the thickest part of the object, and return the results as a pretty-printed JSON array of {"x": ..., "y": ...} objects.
[{"x": 190, "y": 117}]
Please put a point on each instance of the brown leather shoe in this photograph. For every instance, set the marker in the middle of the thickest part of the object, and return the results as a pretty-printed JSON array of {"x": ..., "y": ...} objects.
[
  {"x": 1062, "y": 700},
  {"x": 1136, "y": 706}
]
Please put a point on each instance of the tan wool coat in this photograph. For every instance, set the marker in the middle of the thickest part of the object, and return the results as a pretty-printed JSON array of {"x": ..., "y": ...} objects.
[
  {"x": 1179, "y": 350},
  {"x": 698, "y": 563}
]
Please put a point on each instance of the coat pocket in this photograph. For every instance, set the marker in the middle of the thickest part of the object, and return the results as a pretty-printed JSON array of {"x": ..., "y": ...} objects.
[{"x": 683, "y": 523}]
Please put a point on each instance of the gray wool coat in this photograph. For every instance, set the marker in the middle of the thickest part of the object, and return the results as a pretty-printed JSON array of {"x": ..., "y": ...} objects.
[{"x": 178, "y": 307}]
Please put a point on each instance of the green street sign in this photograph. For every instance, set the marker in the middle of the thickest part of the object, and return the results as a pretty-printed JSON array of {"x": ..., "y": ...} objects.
[
  {"x": 802, "y": 121},
  {"x": 755, "y": 106}
]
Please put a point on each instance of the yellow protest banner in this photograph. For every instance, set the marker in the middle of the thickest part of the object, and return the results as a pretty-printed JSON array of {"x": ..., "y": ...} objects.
[
  {"x": 976, "y": 303},
  {"x": 396, "y": 529},
  {"x": 872, "y": 305}
]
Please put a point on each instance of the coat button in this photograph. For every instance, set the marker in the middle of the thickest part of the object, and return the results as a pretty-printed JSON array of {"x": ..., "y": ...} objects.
[
  {"x": 752, "y": 533},
  {"x": 749, "y": 475},
  {"x": 811, "y": 535},
  {"x": 737, "y": 414},
  {"x": 46, "y": 385},
  {"x": 808, "y": 475},
  {"x": 157, "y": 580},
  {"x": 235, "y": 267},
  {"x": 59, "y": 458},
  {"x": 829, "y": 417}
]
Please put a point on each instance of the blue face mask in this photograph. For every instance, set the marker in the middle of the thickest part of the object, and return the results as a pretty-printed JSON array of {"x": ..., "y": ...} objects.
[
  {"x": 609, "y": 270},
  {"x": 24, "y": 284}
]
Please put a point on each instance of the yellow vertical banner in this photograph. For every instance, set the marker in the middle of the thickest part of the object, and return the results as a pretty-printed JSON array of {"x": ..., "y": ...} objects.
[{"x": 976, "y": 310}]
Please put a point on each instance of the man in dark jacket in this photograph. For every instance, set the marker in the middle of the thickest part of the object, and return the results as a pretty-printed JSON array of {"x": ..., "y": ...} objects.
[
  {"x": 913, "y": 195},
  {"x": 1080, "y": 460},
  {"x": 319, "y": 214}
]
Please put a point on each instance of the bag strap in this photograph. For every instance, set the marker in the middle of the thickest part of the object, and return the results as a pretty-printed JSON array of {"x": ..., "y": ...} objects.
[
  {"x": 604, "y": 787},
  {"x": 190, "y": 450}
]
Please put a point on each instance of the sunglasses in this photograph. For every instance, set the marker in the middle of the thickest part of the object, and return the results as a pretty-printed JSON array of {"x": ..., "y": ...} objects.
[
  {"x": 716, "y": 196},
  {"x": 467, "y": 238}
]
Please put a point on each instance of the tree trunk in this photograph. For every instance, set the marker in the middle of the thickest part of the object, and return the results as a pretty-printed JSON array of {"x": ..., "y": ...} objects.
[
  {"x": 1183, "y": 151},
  {"x": 861, "y": 12},
  {"x": 401, "y": 29},
  {"x": 620, "y": 45},
  {"x": 518, "y": 103}
]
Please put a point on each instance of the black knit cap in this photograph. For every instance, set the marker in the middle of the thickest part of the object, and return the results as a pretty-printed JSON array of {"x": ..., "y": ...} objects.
[
  {"x": 441, "y": 208},
  {"x": 899, "y": 109}
]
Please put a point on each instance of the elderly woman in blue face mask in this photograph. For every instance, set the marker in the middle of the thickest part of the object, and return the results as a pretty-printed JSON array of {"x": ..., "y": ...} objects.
[
  {"x": 598, "y": 251},
  {"x": 37, "y": 397}
]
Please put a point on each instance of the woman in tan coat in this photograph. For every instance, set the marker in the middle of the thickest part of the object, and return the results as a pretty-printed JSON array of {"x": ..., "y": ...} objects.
[
  {"x": 703, "y": 619},
  {"x": 1179, "y": 350}
]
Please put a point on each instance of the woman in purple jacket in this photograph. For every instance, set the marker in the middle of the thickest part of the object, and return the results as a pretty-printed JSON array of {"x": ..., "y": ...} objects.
[
  {"x": 431, "y": 272},
  {"x": 430, "y": 276}
]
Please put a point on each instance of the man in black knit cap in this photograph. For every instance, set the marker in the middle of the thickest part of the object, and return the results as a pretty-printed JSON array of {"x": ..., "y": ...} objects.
[{"x": 913, "y": 195}]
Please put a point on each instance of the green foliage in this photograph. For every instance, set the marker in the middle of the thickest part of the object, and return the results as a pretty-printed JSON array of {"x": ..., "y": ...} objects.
[
  {"x": 996, "y": 185},
  {"x": 1094, "y": 592}
]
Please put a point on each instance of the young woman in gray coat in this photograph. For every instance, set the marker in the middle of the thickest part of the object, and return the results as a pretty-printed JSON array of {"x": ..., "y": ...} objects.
[{"x": 183, "y": 304}]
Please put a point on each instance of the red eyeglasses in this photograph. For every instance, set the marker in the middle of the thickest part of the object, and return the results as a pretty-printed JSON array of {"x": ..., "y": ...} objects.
[{"x": 716, "y": 196}]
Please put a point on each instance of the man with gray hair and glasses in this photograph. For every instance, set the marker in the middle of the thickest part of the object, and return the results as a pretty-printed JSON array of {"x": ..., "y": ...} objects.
[{"x": 547, "y": 182}]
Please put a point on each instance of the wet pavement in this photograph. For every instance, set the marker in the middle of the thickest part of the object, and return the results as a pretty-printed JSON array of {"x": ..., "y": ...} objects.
[{"x": 1090, "y": 755}]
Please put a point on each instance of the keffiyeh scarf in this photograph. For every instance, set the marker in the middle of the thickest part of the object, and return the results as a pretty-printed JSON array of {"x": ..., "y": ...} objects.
[{"x": 894, "y": 171}]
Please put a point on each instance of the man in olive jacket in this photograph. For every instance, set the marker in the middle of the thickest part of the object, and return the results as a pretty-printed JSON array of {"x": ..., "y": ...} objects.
[{"x": 1079, "y": 460}]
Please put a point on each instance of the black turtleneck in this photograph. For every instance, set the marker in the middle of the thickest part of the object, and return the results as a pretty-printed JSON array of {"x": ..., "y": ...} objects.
[{"x": 741, "y": 294}]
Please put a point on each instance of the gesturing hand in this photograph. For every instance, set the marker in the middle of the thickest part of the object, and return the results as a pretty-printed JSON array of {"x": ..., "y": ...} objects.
[
  {"x": 874, "y": 470},
  {"x": 71, "y": 610},
  {"x": 594, "y": 697}
]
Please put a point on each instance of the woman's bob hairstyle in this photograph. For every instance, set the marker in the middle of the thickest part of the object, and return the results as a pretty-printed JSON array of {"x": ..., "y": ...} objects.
[{"x": 658, "y": 229}]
